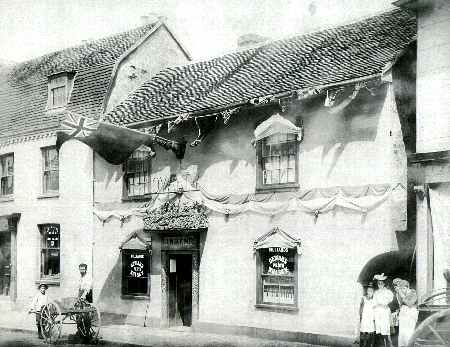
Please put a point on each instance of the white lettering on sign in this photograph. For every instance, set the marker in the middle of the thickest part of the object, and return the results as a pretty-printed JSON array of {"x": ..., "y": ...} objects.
[
  {"x": 278, "y": 249},
  {"x": 136, "y": 268},
  {"x": 137, "y": 256}
]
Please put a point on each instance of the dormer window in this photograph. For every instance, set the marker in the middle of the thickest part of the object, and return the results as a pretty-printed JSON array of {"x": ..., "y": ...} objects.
[{"x": 59, "y": 87}]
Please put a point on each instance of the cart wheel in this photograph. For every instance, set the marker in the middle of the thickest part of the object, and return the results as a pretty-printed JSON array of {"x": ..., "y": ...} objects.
[
  {"x": 88, "y": 324},
  {"x": 51, "y": 322},
  {"x": 433, "y": 331}
]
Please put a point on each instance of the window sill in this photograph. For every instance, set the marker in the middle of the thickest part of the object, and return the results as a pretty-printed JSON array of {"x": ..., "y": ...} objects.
[
  {"x": 48, "y": 195},
  {"x": 272, "y": 307},
  {"x": 285, "y": 187},
  {"x": 135, "y": 297},
  {"x": 49, "y": 282},
  {"x": 6, "y": 198},
  {"x": 137, "y": 197}
]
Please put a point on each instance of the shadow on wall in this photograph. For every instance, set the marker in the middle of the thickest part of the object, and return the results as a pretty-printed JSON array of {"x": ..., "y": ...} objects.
[
  {"x": 358, "y": 122},
  {"x": 105, "y": 172},
  {"x": 110, "y": 295}
]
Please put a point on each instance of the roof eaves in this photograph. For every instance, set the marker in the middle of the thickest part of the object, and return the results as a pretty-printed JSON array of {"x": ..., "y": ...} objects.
[{"x": 212, "y": 112}]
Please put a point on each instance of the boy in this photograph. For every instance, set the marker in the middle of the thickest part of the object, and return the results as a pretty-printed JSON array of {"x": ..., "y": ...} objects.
[
  {"x": 39, "y": 300},
  {"x": 367, "y": 319}
]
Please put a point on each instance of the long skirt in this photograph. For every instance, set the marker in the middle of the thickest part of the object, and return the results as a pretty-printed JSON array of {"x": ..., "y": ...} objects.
[{"x": 382, "y": 316}]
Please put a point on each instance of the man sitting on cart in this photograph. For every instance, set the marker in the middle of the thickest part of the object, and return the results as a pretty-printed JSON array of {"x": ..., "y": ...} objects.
[{"x": 85, "y": 284}]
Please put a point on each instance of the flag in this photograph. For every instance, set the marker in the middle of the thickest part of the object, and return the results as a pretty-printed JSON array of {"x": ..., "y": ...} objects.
[{"x": 114, "y": 143}]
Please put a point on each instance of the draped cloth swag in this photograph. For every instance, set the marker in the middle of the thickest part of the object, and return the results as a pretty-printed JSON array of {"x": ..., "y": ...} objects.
[
  {"x": 276, "y": 124},
  {"x": 317, "y": 201},
  {"x": 277, "y": 238},
  {"x": 440, "y": 212}
]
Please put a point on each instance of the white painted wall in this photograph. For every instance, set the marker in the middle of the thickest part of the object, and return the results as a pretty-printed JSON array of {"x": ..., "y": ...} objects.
[
  {"x": 364, "y": 147},
  {"x": 72, "y": 210},
  {"x": 433, "y": 78}
]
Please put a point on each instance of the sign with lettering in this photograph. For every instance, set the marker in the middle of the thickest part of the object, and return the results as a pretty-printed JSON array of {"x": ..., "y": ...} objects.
[
  {"x": 179, "y": 242},
  {"x": 278, "y": 264},
  {"x": 278, "y": 250},
  {"x": 136, "y": 264},
  {"x": 136, "y": 268}
]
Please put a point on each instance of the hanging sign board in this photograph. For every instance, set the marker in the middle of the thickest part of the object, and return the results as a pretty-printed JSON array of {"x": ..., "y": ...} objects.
[{"x": 179, "y": 243}]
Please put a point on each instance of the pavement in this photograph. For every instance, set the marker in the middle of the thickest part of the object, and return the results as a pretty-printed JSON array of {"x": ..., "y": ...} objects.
[{"x": 20, "y": 329}]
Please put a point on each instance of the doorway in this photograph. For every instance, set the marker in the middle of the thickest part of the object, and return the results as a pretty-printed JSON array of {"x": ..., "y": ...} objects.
[
  {"x": 180, "y": 289},
  {"x": 5, "y": 263}
]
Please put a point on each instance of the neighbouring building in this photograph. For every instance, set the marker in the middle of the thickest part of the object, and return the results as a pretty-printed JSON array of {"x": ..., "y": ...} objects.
[
  {"x": 290, "y": 196},
  {"x": 46, "y": 197},
  {"x": 429, "y": 165}
]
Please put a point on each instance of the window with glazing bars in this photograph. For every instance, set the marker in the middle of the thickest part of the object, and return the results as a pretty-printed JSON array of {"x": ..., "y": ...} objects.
[
  {"x": 50, "y": 251},
  {"x": 137, "y": 173},
  {"x": 50, "y": 170},
  {"x": 57, "y": 91},
  {"x": 277, "y": 276},
  {"x": 6, "y": 174},
  {"x": 278, "y": 159}
]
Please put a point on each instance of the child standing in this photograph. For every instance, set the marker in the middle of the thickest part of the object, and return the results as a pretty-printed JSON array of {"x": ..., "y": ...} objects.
[
  {"x": 407, "y": 317},
  {"x": 367, "y": 319},
  {"x": 39, "y": 300}
]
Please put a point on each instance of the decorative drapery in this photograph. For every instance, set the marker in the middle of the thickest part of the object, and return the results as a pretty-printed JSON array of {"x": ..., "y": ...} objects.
[
  {"x": 276, "y": 124},
  {"x": 316, "y": 201},
  {"x": 277, "y": 238}
]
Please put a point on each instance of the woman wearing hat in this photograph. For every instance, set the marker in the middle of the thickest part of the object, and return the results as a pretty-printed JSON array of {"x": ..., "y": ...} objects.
[
  {"x": 382, "y": 313},
  {"x": 407, "y": 317},
  {"x": 39, "y": 301}
]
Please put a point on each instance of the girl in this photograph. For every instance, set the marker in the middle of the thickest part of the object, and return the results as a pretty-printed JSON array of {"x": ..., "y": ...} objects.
[
  {"x": 367, "y": 322},
  {"x": 382, "y": 314}
]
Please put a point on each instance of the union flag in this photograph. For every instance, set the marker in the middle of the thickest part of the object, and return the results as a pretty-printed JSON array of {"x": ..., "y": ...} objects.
[{"x": 114, "y": 143}]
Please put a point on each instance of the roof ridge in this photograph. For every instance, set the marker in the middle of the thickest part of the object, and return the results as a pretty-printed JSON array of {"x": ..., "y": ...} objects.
[
  {"x": 315, "y": 31},
  {"x": 135, "y": 29}
]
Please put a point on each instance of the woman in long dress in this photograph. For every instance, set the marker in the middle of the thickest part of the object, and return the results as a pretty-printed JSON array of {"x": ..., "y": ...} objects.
[
  {"x": 408, "y": 317},
  {"x": 382, "y": 313}
]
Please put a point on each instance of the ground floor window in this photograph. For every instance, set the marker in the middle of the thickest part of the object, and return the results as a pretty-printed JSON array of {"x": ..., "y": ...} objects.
[
  {"x": 135, "y": 272},
  {"x": 277, "y": 273},
  {"x": 50, "y": 251}
]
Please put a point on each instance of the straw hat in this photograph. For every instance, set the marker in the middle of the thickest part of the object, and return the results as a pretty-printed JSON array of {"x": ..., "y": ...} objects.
[
  {"x": 396, "y": 282},
  {"x": 380, "y": 277}
]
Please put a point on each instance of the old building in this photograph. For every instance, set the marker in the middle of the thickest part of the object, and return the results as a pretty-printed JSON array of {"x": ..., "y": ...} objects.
[
  {"x": 428, "y": 166},
  {"x": 292, "y": 187},
  {"x": 46, "y": 197}
]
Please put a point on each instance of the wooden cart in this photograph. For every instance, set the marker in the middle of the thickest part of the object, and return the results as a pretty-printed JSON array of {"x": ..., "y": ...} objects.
[
  {"x": 433, "y": 329},
  {"x": 70, "y": 311}
]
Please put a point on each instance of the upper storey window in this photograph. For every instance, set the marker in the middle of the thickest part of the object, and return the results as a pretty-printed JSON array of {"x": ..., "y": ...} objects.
[
  {"x": 277, "y": 153},
  {"x": 59, "y": 88}
]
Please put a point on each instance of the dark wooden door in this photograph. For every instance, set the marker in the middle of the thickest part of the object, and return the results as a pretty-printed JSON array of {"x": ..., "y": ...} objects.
[
  {"x": 180, "y": 290},
  {"x": 5, "y": 262}
]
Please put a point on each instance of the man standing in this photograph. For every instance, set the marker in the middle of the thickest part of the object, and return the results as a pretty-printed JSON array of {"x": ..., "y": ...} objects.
[{"x": 85, "y": 284}]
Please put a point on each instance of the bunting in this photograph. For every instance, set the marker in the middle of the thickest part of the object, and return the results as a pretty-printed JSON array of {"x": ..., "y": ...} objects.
[{"x": 226, "y": 115}]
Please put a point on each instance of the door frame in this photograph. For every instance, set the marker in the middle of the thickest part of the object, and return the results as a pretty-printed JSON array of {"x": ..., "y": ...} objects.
[
  {"x": 165, "y": 256},
  {"x": 13, "y": 220}
]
